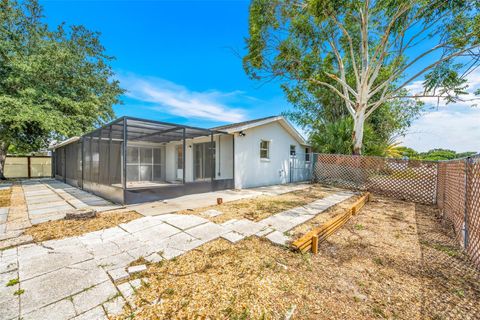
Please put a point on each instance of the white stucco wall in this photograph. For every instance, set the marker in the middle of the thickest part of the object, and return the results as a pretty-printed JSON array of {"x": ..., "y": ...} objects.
[
  {"x": 223, "y": 157},
  {"x": 250, "y": 170}
]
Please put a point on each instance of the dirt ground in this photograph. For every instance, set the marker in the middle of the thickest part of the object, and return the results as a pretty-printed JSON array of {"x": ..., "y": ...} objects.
[
  {"x": 263, "y": 206},
  {"x": 5, "y": 197},
  {"x": 69, "y": 228},
  {"x": 393, "y": 260}
]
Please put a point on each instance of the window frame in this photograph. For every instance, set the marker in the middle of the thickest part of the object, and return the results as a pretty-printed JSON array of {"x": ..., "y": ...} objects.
[
  {"x": 267, "y": 149},
  {"x": 307, "y": 154},
  {"x": 294, "y": 151}
]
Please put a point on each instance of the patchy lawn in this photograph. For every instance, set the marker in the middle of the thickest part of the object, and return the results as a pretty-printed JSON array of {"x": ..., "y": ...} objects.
[
  {"x": 5, "y": 196},
  {"x": 68, "y": 228},
  {"x": 261, "y": 207},
  {"x": 393, "y": 260}
]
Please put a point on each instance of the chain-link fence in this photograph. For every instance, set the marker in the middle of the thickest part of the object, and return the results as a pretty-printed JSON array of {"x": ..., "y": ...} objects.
[
  {"x": 459, "y": 201},
  {"x": 407, "y": 180},
  {"x": 454, "y": 186}
]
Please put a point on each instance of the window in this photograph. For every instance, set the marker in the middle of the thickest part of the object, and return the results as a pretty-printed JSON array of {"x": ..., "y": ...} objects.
[
  {"x": 307, "y": 154},
  {"x": 144, "y": 164},
  {"x": 264, "y": 149},
  {"x": 293, "y": 150}
]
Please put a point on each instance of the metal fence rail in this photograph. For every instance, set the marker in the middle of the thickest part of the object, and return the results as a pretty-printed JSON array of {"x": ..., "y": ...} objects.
[{"x": 453, "y": 186}]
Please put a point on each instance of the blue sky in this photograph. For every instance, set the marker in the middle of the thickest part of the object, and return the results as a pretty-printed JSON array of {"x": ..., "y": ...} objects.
[{"x": 178, "y": 61}]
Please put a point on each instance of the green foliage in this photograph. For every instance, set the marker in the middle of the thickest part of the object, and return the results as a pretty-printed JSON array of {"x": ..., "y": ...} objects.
[
  {"x": 434, "y": 154},
  {"x": 346, "y": 58},
  {"x": 54, "y": 82},
  {"x": 336, "y": 137}
]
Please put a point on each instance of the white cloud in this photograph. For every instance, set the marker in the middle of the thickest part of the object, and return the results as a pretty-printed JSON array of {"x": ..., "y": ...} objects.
[
  {"x": 454, "y": 126},
  {"x": 168, "y": 97}
]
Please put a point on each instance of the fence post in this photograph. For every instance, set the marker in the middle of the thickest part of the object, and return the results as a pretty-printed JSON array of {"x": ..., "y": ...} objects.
[
  {"x": 29, "y": 169},
  {"x": 465, "y": 218}
]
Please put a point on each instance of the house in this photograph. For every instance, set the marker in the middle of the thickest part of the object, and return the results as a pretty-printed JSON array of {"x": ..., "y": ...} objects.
[{"x": 166, "y": 160}]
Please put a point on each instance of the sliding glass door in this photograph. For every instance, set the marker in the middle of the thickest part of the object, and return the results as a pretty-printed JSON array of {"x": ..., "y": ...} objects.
[{"x": 204, "y": 160}]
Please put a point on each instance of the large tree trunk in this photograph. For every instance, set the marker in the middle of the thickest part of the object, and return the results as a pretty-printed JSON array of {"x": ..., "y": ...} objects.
[
  {"x": 357, "y": 135},
  {"x": 3, "y": 156}
]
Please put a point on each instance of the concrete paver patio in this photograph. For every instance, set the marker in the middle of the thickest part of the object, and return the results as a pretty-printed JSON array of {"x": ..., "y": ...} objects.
[{"x": 80, "y": 277}]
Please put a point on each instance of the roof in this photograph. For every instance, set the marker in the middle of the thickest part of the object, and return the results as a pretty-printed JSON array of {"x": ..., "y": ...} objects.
[
  {"x": 240, "y": 126},
  {"x": 243, "y": 123}
]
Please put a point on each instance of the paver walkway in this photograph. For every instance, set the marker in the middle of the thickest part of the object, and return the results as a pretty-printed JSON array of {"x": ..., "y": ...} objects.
[
  {"x": 49, "y": 199},
  {"x": 84, "y": 277},
  {"x": 40, "y": 200}
]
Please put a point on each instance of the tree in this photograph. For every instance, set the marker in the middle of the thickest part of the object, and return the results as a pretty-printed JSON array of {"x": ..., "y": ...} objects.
[
  {"x": 320, "y": 112},
  {"x": 366, "y": 39},
  {"x": 53, "y": 83}
]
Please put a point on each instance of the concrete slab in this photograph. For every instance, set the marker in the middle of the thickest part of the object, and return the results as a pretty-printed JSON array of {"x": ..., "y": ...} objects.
[
  {"x": 9, "y": 307},
  {"x": 170, "y": 253},
  {"x": 51, "y": 260},
  {"x": 57, "y": 285},
  {"x": 179, "y": 242},
  {"x": 207, "y": 231},
  {"x": 158, "y": 233},
  {"x": 182, "y": 221},
  {"x": 127, "y": 292},
  {"x": 137, "y": 269},
  {"x": 245, "y": 227},
  {"x": 118, "y": 274},
  {"x": 233, "y": 236},
  {"x": 264, "y": 231},
  {"x": 94, "y": 314},
  {"x": 60, "y": 310},
  {"x": 114, "y": 306},
  {"x": 154, "y": 258},
  {"x": 200, "y": 200},
  {"x": 120, "y": 260},
  {"x": 278, "y": 238},
  {"x": 94, "y": 296},
  {"x": 140, "y": 224}
]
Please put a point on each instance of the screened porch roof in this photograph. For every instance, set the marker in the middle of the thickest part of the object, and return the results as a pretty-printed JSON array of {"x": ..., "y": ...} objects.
[{"x": 142, "y": 130}]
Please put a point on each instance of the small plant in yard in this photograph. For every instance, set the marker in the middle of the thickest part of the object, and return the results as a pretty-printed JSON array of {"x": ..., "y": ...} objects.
[
  {"x": 460, "y": 293},
  {"x": 12, "y": 282},
  {"x": 378, "y": 261},
  {"x": 359, "y": 227},
  {"x": 19, "y": 292}
]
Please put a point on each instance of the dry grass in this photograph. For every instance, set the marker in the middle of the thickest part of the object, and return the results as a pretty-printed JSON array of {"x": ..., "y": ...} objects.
[
  {"x": 388, "y": 261},
  {"x": 68, "y": 228},
  {"x": 263, "y": 206},
  {"x": 320, "y": 219},
  {"x": 5, "y": 197}
]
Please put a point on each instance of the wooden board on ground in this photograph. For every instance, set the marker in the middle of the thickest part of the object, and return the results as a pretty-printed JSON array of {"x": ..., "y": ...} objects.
[{"x": 307, "y": 241}]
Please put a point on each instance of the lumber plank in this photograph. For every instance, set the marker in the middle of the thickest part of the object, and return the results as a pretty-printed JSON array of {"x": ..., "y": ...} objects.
[{"x": 311, "y": 239}]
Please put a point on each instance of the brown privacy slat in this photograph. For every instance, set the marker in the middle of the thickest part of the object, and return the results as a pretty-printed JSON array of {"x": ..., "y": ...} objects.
[{"x": 311, "y": 239}]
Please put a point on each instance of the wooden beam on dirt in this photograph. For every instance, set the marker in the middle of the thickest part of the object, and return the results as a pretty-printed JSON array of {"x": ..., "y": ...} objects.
[{"x": 311, "y": 239}]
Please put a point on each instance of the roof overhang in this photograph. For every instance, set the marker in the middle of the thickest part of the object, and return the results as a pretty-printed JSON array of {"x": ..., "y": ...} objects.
[
  {"x": 64, "y": 143},
  {"x": 281, "y": 120}
]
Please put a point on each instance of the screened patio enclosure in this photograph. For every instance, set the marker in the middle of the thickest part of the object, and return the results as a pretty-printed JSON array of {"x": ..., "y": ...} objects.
[{"x": 132, "y": 160}]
